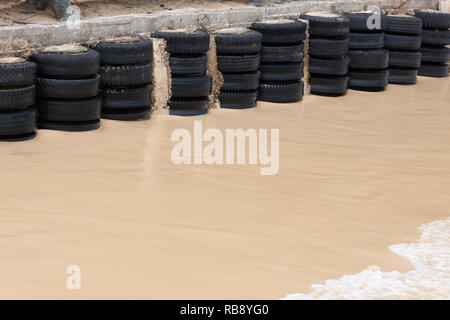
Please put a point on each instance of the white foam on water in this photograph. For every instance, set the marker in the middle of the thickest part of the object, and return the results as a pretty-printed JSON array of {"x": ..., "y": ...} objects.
[{"x": 430, "y": 278}]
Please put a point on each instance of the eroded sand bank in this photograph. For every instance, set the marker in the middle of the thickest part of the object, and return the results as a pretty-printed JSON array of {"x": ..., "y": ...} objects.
[
  {"x": 357, "y": 174},
  {"x": 11, "y": 10}
]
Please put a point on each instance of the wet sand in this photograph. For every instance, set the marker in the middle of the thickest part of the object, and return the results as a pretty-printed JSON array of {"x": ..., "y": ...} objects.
[{"x": 357, "y": 174}]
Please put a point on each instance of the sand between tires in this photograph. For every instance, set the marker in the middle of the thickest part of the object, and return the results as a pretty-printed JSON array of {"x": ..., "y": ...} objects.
[{"x": 357, "y": 174}]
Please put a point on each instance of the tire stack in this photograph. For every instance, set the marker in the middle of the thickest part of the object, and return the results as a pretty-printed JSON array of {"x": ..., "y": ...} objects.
[
  {"x": 238, "y": 61},
  {"x": 17, "y": 97},
  {"x": 402, "y": 39},
  {"x": 67, "y": 89},
  {"x": 328, "y": 48},
  {"x": 368, "y": 60},
  {"x": 188, "y": 66},
  {"x": 126, "y": 78},
  {"x": 435, "y": 38},
  {"x": 282, "y": 63}
]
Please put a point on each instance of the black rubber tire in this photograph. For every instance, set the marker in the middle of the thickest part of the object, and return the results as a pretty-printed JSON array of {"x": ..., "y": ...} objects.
[
  {"x": 69, "y": 110},
  {"x": 404, "y": 25},
  {"x": 126, "y": 76},
  {"x": 435, "y": 54},
  {"x": 241, "y": 81},
  {"x": 68, "y": 89},
  {"x": 335, "y": 67},
  {"x": 294, "y": 53},
  {"x": 281, "y": 92},
  {"x": 402, "y": 76},
  {"x": 328, "y": 86},
  {"x": 18, "y": 74},
  {"x": 113, "y": 53},
  {"x": 188, "y": 65},
  {"x": 281, "y": 33},
  {"x": 435, "y": 37},
  {"x": 19, "y": 137},
  {"x": 434, "y": 20},
  {"x": 401, "y": 42},
  {"x": 187, "y": 113},
  {"x": 185, "y": 43},
  {"x": 366, "y": 40},
  {"x": 238, "y": 99},
  {"x": 240, "y": 64},
  {"x": 408, "y": 59},
  {"x": 188, "y": 107},
  {"x": 17, "y": 125},
  {"x": 191, "y": 86},
  {"x": 368, "y": 80},
  {"x": 336, "y": 27},
  {"x": 327, "y": 48},
  {"x": 369, "y": 59},
  {"x": 434, "y": 70},
  {"x": 70, "y": 126},
  {"x": 282, "y": 71},
  {"x": 127, "y": 114},
  {"x": 17, "y": 98},
  {"x": 67, "y": 65},
  {"x": 238, "y": 44},
  {"x": 123, "y": 98},
  {"x": 358, "y": 22}
]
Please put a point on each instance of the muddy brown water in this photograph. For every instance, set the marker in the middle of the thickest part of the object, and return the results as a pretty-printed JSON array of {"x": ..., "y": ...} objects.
[{"x": 357, "y": 174}]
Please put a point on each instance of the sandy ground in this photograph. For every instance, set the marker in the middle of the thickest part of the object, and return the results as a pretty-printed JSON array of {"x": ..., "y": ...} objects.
[
  {"x": 357, "y": 174},
  {"x": 11, "y": 10}
]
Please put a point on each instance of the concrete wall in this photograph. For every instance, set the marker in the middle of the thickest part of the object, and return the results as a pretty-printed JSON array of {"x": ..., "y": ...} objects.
[
  {"x": 419, "y": 4},
  {"x": 22, "y": 40}
]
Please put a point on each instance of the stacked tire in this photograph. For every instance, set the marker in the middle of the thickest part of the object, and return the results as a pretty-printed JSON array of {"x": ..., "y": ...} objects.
[
  {"x": 17, "y": 98},
  {"x": 402, "y": 39},
  {"x": 126, "y": 78},
  {"x": 238, "y": 60},
  {"x": 435, "y": 38},
  {"x": 67, "y": 88},
  {"x": 328, "y": 48},
  {"x": 282, "y": 64},
  {"x": 368, "y": 60},
  {"x": 191, "y": 86}
]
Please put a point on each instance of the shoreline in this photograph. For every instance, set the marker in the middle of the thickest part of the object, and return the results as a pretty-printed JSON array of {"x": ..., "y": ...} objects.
[{"x": 428, "y": 280}]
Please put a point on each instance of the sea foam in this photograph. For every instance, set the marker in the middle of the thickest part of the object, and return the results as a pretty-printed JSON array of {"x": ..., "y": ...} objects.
[{"x": 430, "y": 278}]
